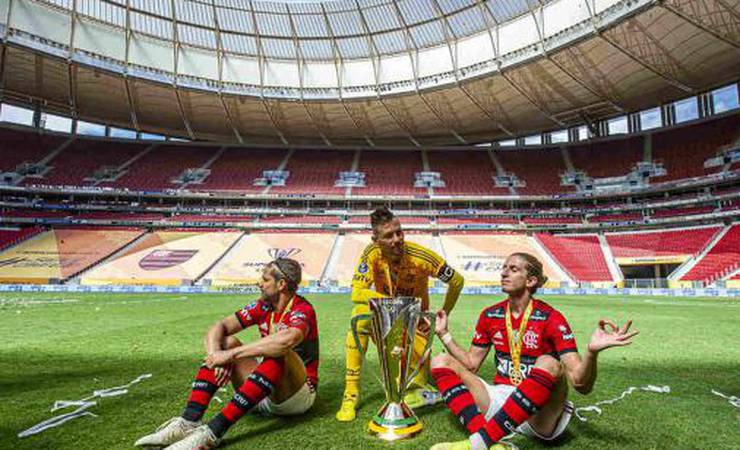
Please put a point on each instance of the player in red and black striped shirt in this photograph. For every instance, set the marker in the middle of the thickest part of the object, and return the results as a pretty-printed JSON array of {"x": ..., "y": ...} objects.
[
  {"x": 277, "y": 374},
  {"x": 536, "y": 357}
]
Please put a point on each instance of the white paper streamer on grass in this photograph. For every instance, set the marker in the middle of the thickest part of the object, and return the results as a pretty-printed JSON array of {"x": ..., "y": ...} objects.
[
  {"x": 82, "y": 406},
  {"x": 596, "y": 407},
  {"x": 734, "y": 401}
]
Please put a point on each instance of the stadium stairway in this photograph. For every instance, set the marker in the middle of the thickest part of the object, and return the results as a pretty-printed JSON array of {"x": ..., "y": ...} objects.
[
  {"x": 689, "y": 264},
  {"x": 235, "y": 246},
  {"x": 207, "y": 164},
  {"x": 75, "y": 278},
  {"x": 611, "y": 263},
  {"x": 282, "y": 166},
  {"x": 331, "y": 262},
  {"x": 126, "y": 164}
]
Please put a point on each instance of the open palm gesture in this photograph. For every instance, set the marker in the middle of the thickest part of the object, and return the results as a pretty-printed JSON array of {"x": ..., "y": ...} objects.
[{"x": 609, "y": 335}]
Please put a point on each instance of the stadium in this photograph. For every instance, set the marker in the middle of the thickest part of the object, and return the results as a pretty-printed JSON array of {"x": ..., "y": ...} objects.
[{"x": 156, "y": 155}]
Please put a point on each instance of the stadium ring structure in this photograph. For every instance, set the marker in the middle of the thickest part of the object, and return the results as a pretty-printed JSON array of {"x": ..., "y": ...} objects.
[{"x": 362, "y": 72}]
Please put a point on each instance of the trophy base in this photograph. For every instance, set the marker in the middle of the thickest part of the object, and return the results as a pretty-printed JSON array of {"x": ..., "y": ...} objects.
[{"x": 395, "y": 421}]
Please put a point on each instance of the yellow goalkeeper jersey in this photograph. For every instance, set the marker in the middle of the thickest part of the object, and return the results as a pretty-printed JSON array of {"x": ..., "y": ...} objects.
[{"x": 409, "y": 277}]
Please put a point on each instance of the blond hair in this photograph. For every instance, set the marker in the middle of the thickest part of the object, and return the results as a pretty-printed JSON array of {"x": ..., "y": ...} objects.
[{"x": 533, "y": 267}]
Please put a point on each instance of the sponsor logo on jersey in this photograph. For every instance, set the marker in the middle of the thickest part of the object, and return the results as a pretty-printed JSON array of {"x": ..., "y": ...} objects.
[
  {"x": 497, "y": 313},
  {"x": 539, "y": 316},
  {"x": 276, "y": 253},
  {"x": 164, "y": 258},
  {"x": 530, "y": 339},
  {"x": 296, "y": 317},
  {"x": 503, "y": 367},
  {"x": 567, "y": 334}
]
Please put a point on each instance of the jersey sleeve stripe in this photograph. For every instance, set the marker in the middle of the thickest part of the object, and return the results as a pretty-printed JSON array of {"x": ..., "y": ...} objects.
[
  {"x": 423, "y": 257},
  {"x": 428, "y": 253}
]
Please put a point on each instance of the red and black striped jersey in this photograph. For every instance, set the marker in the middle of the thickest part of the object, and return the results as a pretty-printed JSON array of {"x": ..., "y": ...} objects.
[
  {"x": 301, "y": 316},
  {"x": 547, "y": 332}
]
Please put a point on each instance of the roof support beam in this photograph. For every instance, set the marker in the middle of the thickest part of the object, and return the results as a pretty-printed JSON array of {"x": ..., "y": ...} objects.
[
  {"x": 300, "y": 57},
  {"x": 129, "y": 97},
  {"x": 261, "y": 60},
  {"x": 176, "y": 49},
  {"x": 670, "y": 80},
  {"x": 220, "y": 58},
  {"x": 701, "y": 26},
  {"x": 339, "y": 67}
]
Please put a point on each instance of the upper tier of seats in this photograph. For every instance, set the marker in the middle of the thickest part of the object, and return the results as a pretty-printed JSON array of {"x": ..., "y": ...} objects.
[
  {"x": 465, "y": 173},
  {"x": 683, "y": 152},
  {"x": 607, "y": 159},
  {"x": 82, "y": 158},
  {"x": 18, "y": 147}
]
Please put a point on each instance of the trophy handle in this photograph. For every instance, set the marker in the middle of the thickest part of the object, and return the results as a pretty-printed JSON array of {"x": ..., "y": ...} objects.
[
  {"x": 432, "y": 317},
  {"x": 355, "y": 334}
]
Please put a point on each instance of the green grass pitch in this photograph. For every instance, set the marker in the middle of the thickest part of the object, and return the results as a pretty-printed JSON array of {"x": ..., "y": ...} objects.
[{"x": 64, "y": 346}]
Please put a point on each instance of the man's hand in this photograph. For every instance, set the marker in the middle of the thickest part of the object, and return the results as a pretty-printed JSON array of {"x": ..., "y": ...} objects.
[
  {"x": 440, "y": 326},
  {"x": 218, "y": 358},
  {"x": 610, "y": 335},
  {"x": 424, "y": 326}
]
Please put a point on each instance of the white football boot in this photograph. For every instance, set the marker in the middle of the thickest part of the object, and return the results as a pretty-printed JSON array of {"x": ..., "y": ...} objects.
[
  {"x": 202, "y": 438},
  {"x": 168, "y": 433}
]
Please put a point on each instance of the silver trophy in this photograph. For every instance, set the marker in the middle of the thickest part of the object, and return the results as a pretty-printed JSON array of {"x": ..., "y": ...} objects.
[{"x": 393, "y": 329}]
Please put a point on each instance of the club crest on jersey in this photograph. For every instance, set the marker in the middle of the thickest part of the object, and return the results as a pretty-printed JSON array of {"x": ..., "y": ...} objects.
[
  {"x": 363, "y": 268},
  {"x": 277, "y": 253},
  {"x": 164, "y": 258},
  {"x": 530, "y": 339}
]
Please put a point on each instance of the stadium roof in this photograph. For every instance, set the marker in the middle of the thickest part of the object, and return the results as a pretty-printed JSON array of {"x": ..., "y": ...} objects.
[{"x": 384, "y": 72}]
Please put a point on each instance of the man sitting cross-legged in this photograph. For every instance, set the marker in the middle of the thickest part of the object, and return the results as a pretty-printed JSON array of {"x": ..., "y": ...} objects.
[
  {"x": 536, "y": 358},
  {"x": 277, "y": 374}
]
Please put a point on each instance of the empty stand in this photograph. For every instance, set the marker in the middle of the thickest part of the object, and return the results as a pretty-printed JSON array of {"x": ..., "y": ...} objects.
[
  {"x": 677, "y": 212},
  {"x": 315, "y": 171},
  {"x": 539, "y": 168},
  {"x": 580, "y": 255},
  {"x": 652, "y": 244},
  {"x": 465, "y": 172},
  {"x": 84, "y": 156},
  {"x": 721, "y": 260},
  {"x": 389, "y": 172},
  {"x": 59, "y": 254},
  {"x": 607, "y": 159},
  {"x": 156, "y": 169},
  {"x": 684, "y": 150},
  {"x": 13, "y": 236},
  {"x": 479, "y": 258},
  {"x": 244, "y": 265},
  {"x": 236, "y": 169},
  {"x": 18, "y": 147}
]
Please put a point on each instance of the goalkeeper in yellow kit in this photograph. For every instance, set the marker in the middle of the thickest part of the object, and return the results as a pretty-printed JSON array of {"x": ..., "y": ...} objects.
[{"x": 395, "y": 268}]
